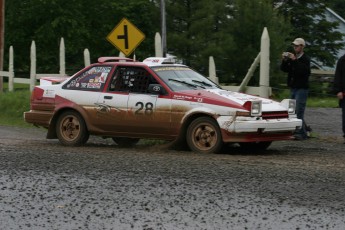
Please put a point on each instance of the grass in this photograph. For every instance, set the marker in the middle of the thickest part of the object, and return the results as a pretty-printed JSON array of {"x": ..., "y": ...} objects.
[
  {"x": 322, "y": 101},
  {"x": 14, "y": 104},
  {"x": 329, "y": 102},
  {"x": 12, "y": 107}
]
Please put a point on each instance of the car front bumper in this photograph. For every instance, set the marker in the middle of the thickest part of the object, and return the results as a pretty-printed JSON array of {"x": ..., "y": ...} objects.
[{"x": 252, "y": 129}]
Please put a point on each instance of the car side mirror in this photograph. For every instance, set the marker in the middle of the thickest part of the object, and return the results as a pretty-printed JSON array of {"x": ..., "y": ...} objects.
[{"x": 156, "y": 89}]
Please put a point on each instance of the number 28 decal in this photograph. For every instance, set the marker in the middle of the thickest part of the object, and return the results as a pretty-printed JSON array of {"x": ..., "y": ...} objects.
[{"x": 146, "y": 109}]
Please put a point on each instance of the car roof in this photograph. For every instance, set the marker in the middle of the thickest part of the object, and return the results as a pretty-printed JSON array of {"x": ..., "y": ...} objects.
[{"x": 151, "y": 61}]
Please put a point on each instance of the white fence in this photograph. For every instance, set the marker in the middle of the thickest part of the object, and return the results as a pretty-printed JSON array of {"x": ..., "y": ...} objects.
[
  {"x": 34, "y": 76},
  {"x": 263, "y": 90},
  {"x": 10, "y": 72}
]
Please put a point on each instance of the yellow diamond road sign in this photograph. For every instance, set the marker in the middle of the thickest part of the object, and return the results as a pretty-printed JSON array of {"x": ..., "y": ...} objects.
[{"x": 125, "y": 37}]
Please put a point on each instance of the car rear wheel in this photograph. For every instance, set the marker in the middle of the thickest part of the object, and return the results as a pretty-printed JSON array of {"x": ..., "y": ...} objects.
[
  {"x": 255, "y": 146},
  {"x": 71, "y": 129},
  {"x": 125, "y": 141},
  {"x": 204, "y": 136}
]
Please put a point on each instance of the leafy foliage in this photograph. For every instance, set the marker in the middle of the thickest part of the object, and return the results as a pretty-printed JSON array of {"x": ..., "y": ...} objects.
[
  {"x": 309, "y": 22},
  {"x": 228, "y": 30},
  {"x": 338, "y": 6},
  {"x": 81, "y": 25},
  {"x": 250, "y": 19},
  {"x": 199, "y": 29}
]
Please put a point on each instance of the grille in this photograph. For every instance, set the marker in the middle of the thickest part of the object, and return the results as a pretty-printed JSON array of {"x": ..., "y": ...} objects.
[{"x": 275, "y": 115}]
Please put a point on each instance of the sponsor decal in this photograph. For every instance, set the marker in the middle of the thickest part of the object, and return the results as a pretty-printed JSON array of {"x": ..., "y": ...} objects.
[
  {"x": 49, "y": 93},
  {"x": 83, "y": 85},
  {"x": 199, "y": 100},
  {"x": 102, "y": 108},
  {"x": 182, "y": 97},
  {"x": 171, "y": 69},
  {"x": 92, "y": 85},
  {"x": 94, "y": 75},
  {"x": 188, "y": 98}
]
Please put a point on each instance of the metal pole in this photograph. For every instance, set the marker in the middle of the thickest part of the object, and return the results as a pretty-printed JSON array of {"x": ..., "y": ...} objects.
[
  {"x": 2, "y": 39},
  {"x": 163, "y": 22}
]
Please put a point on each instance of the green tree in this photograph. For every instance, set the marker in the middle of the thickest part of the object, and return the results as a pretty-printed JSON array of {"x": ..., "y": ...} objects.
[
  {"x": 230, "y": 31},
  {"x": 337, "y": 6},
  {"x": 309, "y": 22},
  {"x": 249, "y": 21},
  {"x": 82, "y": 26},
  {"x": 199, "y": 29}
]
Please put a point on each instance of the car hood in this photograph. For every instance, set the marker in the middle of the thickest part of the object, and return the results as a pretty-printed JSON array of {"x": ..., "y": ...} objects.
[{"x": 227, "y": 98}]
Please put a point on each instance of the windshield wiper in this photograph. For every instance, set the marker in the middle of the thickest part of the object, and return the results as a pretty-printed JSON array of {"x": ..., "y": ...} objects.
[
  {"x": 186, "y": 83},
  {"x": 202, "y": 82}
]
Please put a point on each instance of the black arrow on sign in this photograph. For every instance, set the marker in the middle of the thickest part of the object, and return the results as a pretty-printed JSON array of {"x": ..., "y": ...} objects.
[{"x": 124, "y": 36}]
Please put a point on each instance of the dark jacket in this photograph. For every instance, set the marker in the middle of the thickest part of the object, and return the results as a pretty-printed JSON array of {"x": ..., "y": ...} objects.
[
  {"x": 298, "y": 72},
  {"x": 339, "y": 77}
]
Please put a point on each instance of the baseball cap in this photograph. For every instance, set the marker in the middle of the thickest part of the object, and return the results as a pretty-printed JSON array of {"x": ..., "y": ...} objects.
[{"x": 299, "y": 41}]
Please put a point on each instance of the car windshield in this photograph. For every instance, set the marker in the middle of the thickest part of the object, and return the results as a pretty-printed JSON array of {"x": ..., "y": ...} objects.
[{"x": 180, "y": 78}]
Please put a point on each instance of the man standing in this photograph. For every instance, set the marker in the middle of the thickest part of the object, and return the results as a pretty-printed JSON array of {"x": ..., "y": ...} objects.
[
  {"x": 297, "y": 65},
  {"x": 339, "y": 87}
]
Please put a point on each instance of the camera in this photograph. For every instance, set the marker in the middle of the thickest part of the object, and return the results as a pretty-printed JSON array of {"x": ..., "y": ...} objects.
[{"x": 286, "y": 54}]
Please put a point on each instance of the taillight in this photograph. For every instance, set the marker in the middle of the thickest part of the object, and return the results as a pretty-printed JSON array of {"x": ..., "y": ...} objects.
[{"x": 37, "y": 94}]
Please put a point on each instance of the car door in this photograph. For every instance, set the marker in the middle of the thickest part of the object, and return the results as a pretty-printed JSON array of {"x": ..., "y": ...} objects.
[
  {"x": 129, "y": 108},
  {"x": 112, "y": 104},
  {"x": 84, "y": 90},
  {"x": 148, "y": 113}
]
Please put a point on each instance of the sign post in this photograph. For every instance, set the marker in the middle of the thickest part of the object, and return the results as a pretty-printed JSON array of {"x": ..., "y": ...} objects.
[{"x": 125, "y": 37}]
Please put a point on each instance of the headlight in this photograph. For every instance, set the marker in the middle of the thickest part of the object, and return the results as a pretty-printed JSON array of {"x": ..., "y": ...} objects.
[
  {"x": 254, "y": 107},
  {"x": 290, "y": 105}
]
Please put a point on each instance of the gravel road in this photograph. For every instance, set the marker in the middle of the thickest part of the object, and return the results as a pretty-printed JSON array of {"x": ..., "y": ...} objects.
[{"x": 293, "y": 185}]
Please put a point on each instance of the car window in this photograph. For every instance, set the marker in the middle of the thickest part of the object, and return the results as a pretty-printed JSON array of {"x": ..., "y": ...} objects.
[
  {"x": 131, "y": 79},
  {"x": 92, "y": 79},
  {"x": 180, "y": 78}
]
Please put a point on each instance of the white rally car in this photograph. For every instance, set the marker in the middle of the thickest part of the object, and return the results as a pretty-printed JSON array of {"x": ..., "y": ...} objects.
[{"x": 128, "y": 100}]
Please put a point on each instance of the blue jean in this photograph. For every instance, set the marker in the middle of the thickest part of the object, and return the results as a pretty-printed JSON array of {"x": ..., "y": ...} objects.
[{"x": 301, "y": 96}]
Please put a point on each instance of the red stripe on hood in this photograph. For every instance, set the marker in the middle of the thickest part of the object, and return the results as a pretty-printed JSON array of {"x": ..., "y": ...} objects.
[{"x": 204, "y": 96}]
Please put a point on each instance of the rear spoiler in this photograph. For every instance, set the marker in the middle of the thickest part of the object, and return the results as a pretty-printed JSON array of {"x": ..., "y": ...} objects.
[{"x": 52, "y": 80}]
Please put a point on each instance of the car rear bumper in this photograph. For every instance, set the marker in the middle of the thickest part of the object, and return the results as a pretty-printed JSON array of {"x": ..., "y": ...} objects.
[{"x": 40, "y": 118}]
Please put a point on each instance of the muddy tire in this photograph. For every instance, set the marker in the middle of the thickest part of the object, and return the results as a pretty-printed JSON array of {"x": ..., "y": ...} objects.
[
  {"x": 71, "y": 129},
  {"x": 204, "y": 136}
]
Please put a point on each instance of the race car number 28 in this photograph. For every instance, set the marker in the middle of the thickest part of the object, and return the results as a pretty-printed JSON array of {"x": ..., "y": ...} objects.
[{"x": 146, "y": 109}]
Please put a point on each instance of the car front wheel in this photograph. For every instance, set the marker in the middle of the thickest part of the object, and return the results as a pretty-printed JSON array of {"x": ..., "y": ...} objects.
[
  {"x": 71, "y": 129},
  {"x": 204, "y": 136}
]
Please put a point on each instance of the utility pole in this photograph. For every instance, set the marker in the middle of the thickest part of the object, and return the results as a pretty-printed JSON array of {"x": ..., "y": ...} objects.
[
  {"x": 2, "y": 33},
  {"x": 164, "y": 30}
]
